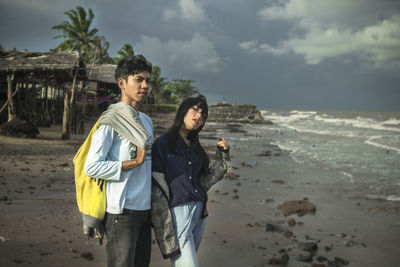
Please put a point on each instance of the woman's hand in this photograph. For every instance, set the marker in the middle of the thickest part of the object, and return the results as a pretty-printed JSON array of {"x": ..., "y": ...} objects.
[{"x": 222, "y": 143}]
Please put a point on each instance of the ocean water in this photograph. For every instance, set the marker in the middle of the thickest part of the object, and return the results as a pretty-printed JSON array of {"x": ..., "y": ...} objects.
[{"x": 363, "y": 148}]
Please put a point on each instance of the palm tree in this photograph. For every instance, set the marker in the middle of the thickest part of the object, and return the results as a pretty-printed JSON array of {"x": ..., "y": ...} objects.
[
  {"x": 78, "y": 37},
  {"x": 181, "y": 89},
  {"x": 126, "y": 50},
  {"x": 157, "y": 84},
  {"x": 77, "y": 33},
  {"x": 100, "y": 53}
]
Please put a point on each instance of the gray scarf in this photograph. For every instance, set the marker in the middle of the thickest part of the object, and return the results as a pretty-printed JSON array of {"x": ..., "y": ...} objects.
[{"x": 126, "y": 122}]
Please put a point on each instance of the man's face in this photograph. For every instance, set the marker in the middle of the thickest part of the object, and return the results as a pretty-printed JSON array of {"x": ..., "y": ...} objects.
[{"x": 136, "y": 88}]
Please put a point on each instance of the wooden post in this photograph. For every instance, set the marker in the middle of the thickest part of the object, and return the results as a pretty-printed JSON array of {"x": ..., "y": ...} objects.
[
  {"x": 66, "y": 118},
  {"x": 83, "y": 110},
  {"x": 66, "y": 125},
  {"x": 33, "y": 104},
  {"x": 27, "y": 102},
  {"x": 20, "y": 109},
  {"x": 72, "y": 104},
  {"x": 45, "y": 110},
  {"x": 11, "y": 109}
]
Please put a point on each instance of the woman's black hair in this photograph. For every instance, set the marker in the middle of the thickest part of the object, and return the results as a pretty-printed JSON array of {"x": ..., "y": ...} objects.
[{"x": 172, "y": 134}]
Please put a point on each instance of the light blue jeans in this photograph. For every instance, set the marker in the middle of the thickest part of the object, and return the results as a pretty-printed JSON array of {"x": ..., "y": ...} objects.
[{"x": 189, "y": 227}]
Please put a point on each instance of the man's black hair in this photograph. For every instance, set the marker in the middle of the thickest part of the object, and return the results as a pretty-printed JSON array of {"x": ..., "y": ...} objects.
[{"x": 131, "y": 65}]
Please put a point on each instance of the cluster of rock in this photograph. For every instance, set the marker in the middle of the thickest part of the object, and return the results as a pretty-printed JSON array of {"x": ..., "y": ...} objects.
[{"x": 239, "y": 113}]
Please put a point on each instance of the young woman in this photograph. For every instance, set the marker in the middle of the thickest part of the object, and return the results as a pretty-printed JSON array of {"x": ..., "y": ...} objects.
[{"x": 182, "y": 175}]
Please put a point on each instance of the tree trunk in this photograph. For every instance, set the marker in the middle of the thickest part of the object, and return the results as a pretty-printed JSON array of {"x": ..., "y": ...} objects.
[
  {"x": 59, "y": 103},
  {"x": 45, "y": 110},
  {"x": 11, "y": 109},
  {"x": 27, "y": 101},
  {"x": 66, "y": 121},
  {"x": 20, "y": 108},
  {"x": 66, "y": 125},
  {"x": 83, "y": 111},
  {"x": 33, "y": 104},
  {"x": 72, "y": 107}
]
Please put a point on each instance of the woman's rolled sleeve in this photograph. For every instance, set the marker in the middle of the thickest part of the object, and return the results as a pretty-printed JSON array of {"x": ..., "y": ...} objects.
[{"x": 157, "y": 156}]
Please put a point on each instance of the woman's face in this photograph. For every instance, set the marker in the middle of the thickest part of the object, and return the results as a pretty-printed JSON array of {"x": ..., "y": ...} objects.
[{"x": 194, "y": 118}]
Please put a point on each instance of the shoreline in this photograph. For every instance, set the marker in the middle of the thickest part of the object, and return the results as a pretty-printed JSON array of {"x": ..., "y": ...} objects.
[{"x": 41, "y": 225}]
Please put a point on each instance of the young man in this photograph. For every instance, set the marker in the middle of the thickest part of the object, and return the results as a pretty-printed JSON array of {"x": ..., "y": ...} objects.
[{"x": 120, "y": 154}]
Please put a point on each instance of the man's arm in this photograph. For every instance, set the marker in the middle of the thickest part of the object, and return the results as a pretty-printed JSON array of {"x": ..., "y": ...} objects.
[
  {"x": 97, "y": 165},
  {"x": 140, "y": 156}
]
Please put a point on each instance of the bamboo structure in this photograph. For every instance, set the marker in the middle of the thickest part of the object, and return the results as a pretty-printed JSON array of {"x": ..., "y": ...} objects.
[
  {"x": 43, "y": 80},
  {"x": 52, "y": 88}
]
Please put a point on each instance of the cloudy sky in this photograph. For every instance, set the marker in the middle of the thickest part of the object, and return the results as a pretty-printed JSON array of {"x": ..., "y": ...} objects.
[{"x": 285, "y": 54}]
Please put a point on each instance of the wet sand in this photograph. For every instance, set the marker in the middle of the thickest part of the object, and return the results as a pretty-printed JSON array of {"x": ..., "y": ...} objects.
[{"x": 41, "y": 226}]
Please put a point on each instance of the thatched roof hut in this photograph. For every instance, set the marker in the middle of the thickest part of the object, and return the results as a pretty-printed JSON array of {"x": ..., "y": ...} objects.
[
  {"x": 102, "y": 73},
  {"x": 101, "y": 79},
  {"x": 33, "y": 79},
  {"x": 60, "y": 66}
]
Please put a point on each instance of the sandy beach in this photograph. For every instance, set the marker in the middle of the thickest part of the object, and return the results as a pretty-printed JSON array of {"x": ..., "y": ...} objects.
[{"x": 40, "y": 224}]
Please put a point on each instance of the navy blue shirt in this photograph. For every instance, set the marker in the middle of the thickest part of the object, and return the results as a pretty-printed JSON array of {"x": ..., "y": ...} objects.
[{"x": 181, "y": 170}]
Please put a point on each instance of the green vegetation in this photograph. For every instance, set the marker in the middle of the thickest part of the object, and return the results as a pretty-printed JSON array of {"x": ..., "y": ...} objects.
[
  {"x": 180, "y": 89},
  {"x": 125, "y": 51},
  {"x": 93, "y": 49},
  {"x": 77, "y": 33},
  {"x": 99, "y": 55}
]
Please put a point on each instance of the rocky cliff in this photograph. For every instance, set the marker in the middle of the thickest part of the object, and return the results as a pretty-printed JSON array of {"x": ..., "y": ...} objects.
[{"x": 242, "y": 113}]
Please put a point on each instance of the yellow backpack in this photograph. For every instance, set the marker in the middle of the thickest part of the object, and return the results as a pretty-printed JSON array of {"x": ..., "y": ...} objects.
[{"x": 90, "y": 192}]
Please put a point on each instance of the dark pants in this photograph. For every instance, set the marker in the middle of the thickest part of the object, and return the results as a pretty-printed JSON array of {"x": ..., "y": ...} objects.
[{"x": 128, "y": 239}]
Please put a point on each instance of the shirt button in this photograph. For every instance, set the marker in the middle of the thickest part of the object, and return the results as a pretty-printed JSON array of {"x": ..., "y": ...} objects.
[
  {"x": 190, "y": 177},
  {"x": 190, "y": 163}
]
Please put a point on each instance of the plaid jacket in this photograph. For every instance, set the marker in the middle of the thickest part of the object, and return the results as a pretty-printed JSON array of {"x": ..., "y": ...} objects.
[{"x": 161, "y": 217}]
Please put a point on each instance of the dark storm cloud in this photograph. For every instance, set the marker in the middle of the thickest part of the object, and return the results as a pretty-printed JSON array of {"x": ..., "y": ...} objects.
[{"x": 242, "y": 51}]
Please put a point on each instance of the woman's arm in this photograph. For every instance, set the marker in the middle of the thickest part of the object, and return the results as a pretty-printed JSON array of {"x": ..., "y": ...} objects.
[{"x": 217, "y": 169}]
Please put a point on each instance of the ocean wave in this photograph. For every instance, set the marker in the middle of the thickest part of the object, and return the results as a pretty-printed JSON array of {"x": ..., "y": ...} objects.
[
  {"x": 391, "y": 124},
  {"x": 380, "y": 134},
  {"x": 294, "y": 151},
  {"x": 303, "y": 112},
  {"x": 282, "y": 119},
  {"x": 371, "y": 141},
  {"x": 351, "y": 178},
  {"x": 360, "y": 122},
  {"x": 383, "y": 197}
]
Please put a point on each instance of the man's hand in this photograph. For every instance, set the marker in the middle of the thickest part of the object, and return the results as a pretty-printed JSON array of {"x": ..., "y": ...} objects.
[
  {"x": 98, "y": 234},
  {"x": 140, "y": 157}
]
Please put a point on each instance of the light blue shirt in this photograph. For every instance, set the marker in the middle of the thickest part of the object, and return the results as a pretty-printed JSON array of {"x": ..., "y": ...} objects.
[{"x": 129, "y": 189}]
